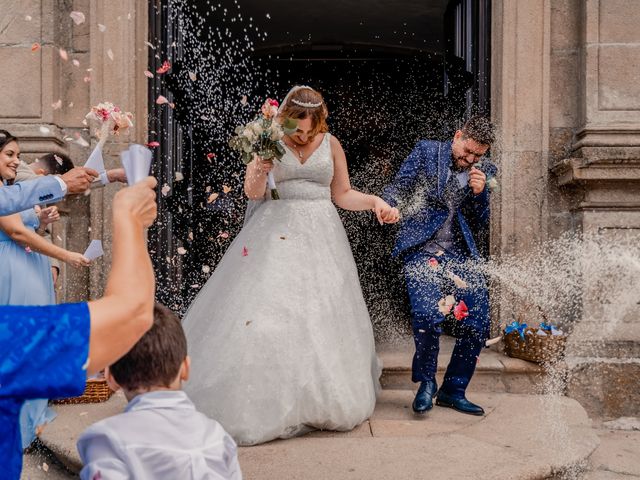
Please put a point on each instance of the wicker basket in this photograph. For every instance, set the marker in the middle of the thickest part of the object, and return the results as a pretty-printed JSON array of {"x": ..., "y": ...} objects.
[
  {"x": 95, "y": 391},
  {"x": 536, "y": 348}
]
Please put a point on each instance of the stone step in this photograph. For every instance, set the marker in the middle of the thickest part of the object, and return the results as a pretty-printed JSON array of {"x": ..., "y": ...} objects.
[
  {"x": 495, "y": 372},
  {"x": 520, "y": 437}
]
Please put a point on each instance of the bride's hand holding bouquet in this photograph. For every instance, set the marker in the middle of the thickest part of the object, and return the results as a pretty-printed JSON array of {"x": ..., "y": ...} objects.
[{"x": 259, "y": 142}]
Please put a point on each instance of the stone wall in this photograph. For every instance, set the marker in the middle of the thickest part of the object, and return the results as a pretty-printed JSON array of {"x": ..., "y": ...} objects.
[
  {"x": 45, "y": 99},
  {"x": 566, "y": 95}
]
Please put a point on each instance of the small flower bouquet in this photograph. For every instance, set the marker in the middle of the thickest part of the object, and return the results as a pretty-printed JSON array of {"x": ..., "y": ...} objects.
[
  {"x": 262, "y": 137},
  {"x": 112, "y": 121}
]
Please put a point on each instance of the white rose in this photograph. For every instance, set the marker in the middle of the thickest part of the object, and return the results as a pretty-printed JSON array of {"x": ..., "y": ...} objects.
[
  {"x": 277, "y": 134},
  {"x": 257, "y": 128},
  {"x": 249, "y": 135}
]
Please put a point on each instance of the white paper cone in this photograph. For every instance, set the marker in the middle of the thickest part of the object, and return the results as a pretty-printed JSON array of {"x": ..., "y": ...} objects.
[
  {"x": 125, "y": 158},
  {"x": 94, "y": 250},
  {"x": 95, "y": 160},
  {"x": 139, "y": 159}
]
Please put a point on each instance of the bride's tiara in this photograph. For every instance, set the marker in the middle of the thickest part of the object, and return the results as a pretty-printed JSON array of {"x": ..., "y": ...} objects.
[{"x": 305, "y": 104}]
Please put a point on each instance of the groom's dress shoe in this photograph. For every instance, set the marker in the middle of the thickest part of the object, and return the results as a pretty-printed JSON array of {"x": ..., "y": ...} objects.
[
  {"x": 460, "y": 404},
  {"x": 424, "y": 398}
]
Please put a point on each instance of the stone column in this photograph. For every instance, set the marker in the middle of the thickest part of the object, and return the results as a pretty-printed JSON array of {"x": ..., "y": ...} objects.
[
  {"x": 600, "y": 181},
  {"x": 118, "y": 58},
  {"x": 520, "y": 109}
]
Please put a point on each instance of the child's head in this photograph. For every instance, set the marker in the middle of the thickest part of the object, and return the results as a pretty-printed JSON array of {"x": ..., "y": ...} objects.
[{"x": 158, "y": 361}]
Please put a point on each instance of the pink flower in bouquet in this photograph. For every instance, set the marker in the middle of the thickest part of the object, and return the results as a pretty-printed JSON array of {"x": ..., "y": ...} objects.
[
  {"x": 122, "y": 120},
  {"x": 112, "y": 118},
  {"x": 433, "y": 263},
  {"x": 460, "y": 311},
  {"x": 270, "y": 108}
]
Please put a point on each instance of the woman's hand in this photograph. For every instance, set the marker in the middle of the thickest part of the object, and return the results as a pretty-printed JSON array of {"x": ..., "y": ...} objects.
[
  {"x": 384, "y": 212},
  {"x": 77, "y": 260},
  {"x": 48, "y": 215},
  {"x": 263, "y": 166}
]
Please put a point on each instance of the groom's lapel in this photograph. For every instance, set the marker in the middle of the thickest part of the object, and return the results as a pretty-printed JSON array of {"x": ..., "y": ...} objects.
[{"x": 444, "y": 161}]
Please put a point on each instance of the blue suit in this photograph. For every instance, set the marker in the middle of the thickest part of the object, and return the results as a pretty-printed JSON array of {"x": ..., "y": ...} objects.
[
  {"x": 23, "y": 196},
  {"x": 419, "y": 191}
]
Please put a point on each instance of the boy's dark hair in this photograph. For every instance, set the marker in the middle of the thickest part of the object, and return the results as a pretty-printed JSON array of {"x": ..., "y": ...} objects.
[
  {"x": 480, "y": 129},
  {"x": 55, "y": 163},
  {"x": 155, "y": 360}
]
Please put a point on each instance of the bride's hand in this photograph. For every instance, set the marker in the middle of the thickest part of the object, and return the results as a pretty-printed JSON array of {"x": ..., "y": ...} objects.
[
  {"x": 264, "y": 166},
  {"x": 384, "y": 212},
  {"x": 393, "y": 216}
]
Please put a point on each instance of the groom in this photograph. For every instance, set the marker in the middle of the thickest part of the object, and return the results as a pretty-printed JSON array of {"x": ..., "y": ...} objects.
[{"x": 442, "y": 192}]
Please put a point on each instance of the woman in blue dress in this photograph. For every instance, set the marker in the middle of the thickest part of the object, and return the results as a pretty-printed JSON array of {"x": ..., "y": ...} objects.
[{"x": 25, "y": 276}]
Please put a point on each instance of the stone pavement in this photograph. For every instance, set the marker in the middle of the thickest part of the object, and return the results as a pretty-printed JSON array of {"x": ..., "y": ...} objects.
[
  {"x": 522, "y": 436},
  {"x": 518, "y": 438}
]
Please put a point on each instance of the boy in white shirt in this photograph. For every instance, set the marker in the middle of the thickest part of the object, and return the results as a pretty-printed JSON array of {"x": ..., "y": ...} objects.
[{"x": 160, "y": 435}]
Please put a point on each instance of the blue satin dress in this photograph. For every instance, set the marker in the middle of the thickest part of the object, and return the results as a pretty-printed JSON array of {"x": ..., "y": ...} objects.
[{"x": 25, "y": 279}]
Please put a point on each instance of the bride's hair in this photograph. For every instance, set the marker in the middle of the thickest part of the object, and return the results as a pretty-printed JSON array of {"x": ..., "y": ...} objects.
[{"x": 307, "y": 103}]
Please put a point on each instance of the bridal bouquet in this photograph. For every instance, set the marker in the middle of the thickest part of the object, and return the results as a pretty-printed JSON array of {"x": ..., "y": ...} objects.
[
  {"x": 112, "y": 121},
  {"x": 261, "y": 137}
]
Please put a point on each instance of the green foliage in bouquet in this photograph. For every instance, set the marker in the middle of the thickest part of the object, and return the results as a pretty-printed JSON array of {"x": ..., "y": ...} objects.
[{"x": 263, "y": 135}]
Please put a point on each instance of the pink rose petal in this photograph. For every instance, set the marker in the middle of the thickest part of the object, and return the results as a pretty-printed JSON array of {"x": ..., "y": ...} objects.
[
  {"x": 164, "y": 68},
  {"x": 245, "y": 251}
]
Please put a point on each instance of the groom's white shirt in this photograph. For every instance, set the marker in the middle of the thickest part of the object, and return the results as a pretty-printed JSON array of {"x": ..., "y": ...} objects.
[{"x": 160, "y": 435}]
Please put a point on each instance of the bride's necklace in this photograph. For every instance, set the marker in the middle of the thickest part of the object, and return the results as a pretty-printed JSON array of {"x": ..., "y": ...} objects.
[{"x": 299, "y": 152}]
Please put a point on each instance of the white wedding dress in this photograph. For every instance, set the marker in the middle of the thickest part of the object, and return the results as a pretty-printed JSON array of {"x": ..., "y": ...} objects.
[{"x": 280, "y": 337}]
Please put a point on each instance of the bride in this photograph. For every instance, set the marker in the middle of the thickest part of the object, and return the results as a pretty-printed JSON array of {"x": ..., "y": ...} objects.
[{"x": 280, "y": 337}]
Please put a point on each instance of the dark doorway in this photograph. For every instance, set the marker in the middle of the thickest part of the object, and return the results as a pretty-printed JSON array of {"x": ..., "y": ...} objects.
[{"x": 391, "y": 74}]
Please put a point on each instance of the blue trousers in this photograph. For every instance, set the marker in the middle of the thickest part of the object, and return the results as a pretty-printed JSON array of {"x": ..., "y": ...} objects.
[{"x": 426, "y": 286}]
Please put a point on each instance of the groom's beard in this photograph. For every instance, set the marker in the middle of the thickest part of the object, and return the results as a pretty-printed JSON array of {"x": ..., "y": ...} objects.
[{"x": 459, "y": 164}]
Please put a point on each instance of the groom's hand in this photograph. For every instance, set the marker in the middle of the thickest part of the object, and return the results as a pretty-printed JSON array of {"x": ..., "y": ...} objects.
[{"x": 477, "y": 180}]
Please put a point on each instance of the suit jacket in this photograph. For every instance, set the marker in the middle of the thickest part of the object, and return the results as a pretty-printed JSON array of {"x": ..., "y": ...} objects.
[
  {"x": 23, "y": 196},
  {"x": 417, "y": 190},
  {"x": 160, "y": 435}
]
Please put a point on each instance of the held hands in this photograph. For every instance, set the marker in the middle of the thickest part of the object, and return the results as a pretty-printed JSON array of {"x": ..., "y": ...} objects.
[
  {"x": 477, "y": 180},
  {"x": 137, "y": 202},
  {"x": 384, "y": 212}
]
